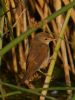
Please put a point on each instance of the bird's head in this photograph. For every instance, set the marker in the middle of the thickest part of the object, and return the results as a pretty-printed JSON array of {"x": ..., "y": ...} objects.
[{"x": 44, "y": 37}]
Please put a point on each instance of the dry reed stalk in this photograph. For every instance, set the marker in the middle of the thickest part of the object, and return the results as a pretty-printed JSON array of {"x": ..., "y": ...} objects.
[
  {"x": 60, "y": 21},
  {"x": 14, "y": 59},
  {"x": 43, "y": 13},
  {"x": 31, "y": 23},
  {"x": 18, "y": 32},
  {"x": 73, "y": 43},
  {"x": 73, "y": 11},
  {"x": 26, "y": 43},
  {"x": 54, "y": 25},
  {"x": 70, "y": 56}
]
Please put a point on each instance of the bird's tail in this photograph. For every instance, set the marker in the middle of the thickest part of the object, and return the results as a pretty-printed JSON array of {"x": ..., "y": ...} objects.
[{"x": 28, "y": 75}]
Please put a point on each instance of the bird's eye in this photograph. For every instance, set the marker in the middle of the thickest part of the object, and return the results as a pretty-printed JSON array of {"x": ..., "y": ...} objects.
[{"x": 45, "y": 38}]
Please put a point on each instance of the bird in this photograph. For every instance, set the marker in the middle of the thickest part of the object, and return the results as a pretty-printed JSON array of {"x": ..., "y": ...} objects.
[{"x": 39, "y": 54}]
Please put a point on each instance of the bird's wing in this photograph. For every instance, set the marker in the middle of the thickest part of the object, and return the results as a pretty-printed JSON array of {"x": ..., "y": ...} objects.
[{"x": 37, "y": 55}]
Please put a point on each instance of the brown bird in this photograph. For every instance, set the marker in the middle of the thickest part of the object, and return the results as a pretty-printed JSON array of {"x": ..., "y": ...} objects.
[{"x": 39, "y": 54}]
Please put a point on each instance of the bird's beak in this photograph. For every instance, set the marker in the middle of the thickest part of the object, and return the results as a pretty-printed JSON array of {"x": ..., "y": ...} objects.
[{"x": 51, "y": 38}]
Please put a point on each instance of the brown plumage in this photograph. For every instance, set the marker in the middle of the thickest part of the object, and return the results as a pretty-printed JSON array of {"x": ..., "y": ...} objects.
[{"x": 38, "y": 54}]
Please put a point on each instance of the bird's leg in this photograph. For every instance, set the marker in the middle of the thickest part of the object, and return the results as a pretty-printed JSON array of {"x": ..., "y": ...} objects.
[
  {"x": 41, "y": 72},
  {"x": 45, "y": 74}
]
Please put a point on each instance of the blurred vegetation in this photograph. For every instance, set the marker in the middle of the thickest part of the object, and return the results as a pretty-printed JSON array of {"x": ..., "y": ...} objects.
[{"x": 20, "y": 21}]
